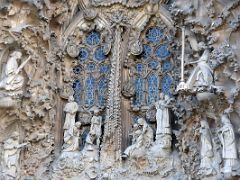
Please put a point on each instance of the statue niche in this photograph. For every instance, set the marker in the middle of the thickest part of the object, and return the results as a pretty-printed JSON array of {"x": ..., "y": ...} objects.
[{"x": 12, "y": 82}]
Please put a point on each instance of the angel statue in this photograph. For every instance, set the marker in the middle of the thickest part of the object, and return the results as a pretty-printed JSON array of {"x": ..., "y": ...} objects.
[{"x": 202, "y": 75}]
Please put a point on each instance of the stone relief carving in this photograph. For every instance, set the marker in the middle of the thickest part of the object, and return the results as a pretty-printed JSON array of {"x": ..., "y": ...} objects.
[
  {"x": 120, "y": 60},
  {"x": 227, "y": 137},
  {"x": 70, "y": 127},
  {"x": 202, "y": 75},
  {"x": 12, "y": 83},
  {"x": 142, "y": 139},
  {"x": 207, "y": 152},
  {"x": 11, "y": 155}
]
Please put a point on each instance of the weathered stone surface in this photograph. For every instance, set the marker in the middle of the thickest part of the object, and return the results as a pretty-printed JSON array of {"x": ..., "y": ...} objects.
[{"x": 139, "y": 107}]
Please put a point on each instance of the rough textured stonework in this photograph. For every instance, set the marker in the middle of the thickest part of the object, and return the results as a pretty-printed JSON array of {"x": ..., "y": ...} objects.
[{"x": 118, "y": 89}]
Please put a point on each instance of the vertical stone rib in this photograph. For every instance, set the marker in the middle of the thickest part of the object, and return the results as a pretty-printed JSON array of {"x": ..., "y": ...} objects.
[{"x": 113, "y": 131}]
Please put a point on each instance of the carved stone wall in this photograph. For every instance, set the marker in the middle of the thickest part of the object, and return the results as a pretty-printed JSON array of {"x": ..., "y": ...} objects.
[{"x": 113, "y": 89}]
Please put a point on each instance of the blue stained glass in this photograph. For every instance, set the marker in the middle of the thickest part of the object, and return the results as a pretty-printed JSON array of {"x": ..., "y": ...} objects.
[
  {"x": 139, "y": 86},
  {"x": 89, "y": 94},
  {"x": 77, "y": 70},
  {"x": 147, "y": 51},
  {"x": 93, "y": 38},
  {"x": 83, "y": 54},
  {"x": 91, "y": 67},
  {"x": 104, "y": 68},
  {"x": 167, "y": 66},
  {"x": 153, "y": 83},
  {"x": 162, "y": 51},
  {"x": 139, "y": 68},
  {"x": 99, "y": 54},
  {"x": 102, "y": 87},
  {"x": 154, "y": 34},
  {"x": 167, "y": 84},
  {"x": 153, "y": 64},
  {"x": 77, "y": 91}
]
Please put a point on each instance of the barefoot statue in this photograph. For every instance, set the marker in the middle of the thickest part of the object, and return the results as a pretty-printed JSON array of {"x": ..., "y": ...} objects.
[{"x": 228, "y": 140}]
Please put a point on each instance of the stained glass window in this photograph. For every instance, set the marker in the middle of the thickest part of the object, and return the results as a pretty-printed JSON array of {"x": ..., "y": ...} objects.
[
  {"x": 99, "y": 54},
  {"x": 93, "y": 38},
  {"x": 90, "y": 91},
  {"x": 102, "y": 88},
  {"x": 77, "y": 91},
  {"x": 139, "y": 86},
  {"x": 167, "y": 84},
  {"x": 140, "y": 68},
  {"x": 162, "y": 51},
  {"x": 153, "y": 64},
  {"x": 154, "y": 34},
  {"x": 104, "y": 68},
  {"x": 147, "y": 51},
  {"x": 153, "y": 92},
  {"x": 91, "y": 67},
  {"x": 153, "y": 67},
  {"x": 167, "y": 66},
  {"x": 93, "y": 63},
  {"x": 83, "y": 54}
]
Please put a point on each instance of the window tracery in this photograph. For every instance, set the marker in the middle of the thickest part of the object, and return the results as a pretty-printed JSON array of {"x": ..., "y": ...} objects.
[
  {"x": 153, "y": 67},
  {"x": 91, "y": 72}
]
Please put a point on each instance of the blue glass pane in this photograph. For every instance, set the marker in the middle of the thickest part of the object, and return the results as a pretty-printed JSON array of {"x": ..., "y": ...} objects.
[
  {"x": 167, "y": 66},
  {"x": 93, "y": 38},
  {"x": 162, "y": 51},
  {"x": 147, "y": 51},
  {"x": 139, "y": 68},
  {"x": 139, "y": 86},
  {"x": 104, "y": 68},
  {"x": 77, "y": 91},
  {"x": 83, "y": 54},
  {"x": 99, "y": 54},
  {"x": 154, "y": 34},
  {"x": 153, "y": 82},
  {"x": 77, "y": 70},
  {"x": 167, "y": 84},
  {"x": 91, "y": 67},
  {"x": 90, "y": 89},
  {"x": 102, "y": 87},
  {"x": 153, "y": 64}
]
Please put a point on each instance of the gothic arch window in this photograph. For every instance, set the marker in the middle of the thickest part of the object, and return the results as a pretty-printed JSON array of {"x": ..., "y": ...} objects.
[
  {"x": 90, "y": 86},
  {"x": 153, "y": 67}
]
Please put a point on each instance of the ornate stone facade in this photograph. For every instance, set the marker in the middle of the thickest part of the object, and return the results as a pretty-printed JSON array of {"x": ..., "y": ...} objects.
[{"x": 114, "y": 89}]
